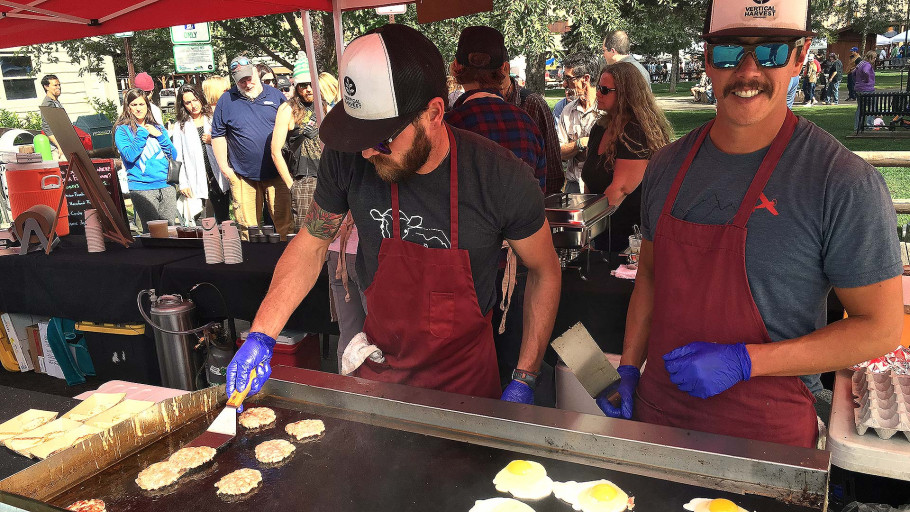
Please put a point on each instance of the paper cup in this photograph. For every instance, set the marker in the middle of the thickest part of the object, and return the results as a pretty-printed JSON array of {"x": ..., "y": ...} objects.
[{"x": 158, "y": 228}]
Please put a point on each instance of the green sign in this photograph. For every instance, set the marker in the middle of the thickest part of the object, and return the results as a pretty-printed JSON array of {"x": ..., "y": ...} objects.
[
  {"x": 191, "y": 34},
  {"x": 194, "y": 58}
]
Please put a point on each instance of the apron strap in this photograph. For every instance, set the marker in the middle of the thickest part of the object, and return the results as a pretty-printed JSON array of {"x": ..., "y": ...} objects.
[
  {"x": 453, "y": 187},
  {"x": 453, "y": 194},
  {"x": 681, "y": 175},
  {"x": 768, "y": 164}
]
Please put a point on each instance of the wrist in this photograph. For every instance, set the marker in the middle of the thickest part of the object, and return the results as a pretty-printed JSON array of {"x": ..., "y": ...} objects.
[
  {"x": 262, "y": 338},
  {"x": 745, "y": 361},
  {"x": 526, "y": 377}
]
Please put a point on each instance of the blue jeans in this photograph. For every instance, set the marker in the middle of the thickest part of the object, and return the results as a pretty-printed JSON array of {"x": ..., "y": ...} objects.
[
  {"x": 833, "y": 92},
  {"x": 791, "y": 91},
  {"x": 809, "y": 90}
]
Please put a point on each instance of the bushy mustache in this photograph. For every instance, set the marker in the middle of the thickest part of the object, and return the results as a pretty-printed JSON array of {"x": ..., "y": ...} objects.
[{"x": 763, "y": 86}]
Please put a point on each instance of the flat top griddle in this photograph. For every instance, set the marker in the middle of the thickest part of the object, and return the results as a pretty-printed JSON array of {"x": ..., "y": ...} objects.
[{"x": 357, "y": 466}]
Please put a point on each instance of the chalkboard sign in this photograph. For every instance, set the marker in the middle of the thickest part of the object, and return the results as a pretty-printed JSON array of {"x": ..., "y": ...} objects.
[{"x": 78, "y": 202}]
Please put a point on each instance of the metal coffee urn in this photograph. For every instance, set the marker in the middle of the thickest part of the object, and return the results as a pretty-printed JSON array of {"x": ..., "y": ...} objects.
[{"x": 178, "y": 356}]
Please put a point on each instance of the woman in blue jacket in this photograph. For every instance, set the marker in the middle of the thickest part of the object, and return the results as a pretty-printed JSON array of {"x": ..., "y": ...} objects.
[{"x": 145, "y": 148}]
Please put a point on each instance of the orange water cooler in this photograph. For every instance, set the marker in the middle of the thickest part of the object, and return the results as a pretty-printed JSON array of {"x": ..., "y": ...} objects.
[{"x": 37, "y": 183}]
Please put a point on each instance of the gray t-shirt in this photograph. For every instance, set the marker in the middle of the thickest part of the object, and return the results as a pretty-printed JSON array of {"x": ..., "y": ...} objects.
[
  {"x": 48, "y": 102},
  {"x": 498, "y": 198},
  {"x": 641, "y": 69},
  {"x": 825, "y": 219}
]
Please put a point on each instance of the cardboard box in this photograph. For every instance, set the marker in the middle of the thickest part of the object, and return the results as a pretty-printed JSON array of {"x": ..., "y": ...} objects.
[
  {"x": 34, "y": 346},
  {"x": 15, "y": 325}
]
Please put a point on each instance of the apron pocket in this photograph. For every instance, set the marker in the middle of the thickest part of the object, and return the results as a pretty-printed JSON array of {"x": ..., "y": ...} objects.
[{"x": 442, "y": 314}]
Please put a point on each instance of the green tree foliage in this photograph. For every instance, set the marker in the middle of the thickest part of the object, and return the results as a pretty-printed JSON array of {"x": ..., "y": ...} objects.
[
  {"x": 864, "y": 16},
  {"x": 9, "y": 119},
  {"x": 107, "y": 108}
]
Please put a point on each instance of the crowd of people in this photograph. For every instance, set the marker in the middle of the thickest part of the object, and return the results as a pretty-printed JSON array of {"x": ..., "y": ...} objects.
[{"x": 251, "y": 149}]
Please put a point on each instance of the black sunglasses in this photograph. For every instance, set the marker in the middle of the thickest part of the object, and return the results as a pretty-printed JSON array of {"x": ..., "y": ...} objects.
[
  {"x": 605, "y": 90},
  {"x": 383, "y": 147},
  {"x": 567, "y": 78},
  {"x": 767, "y": 55},
  {"x": 304, "y": 84}
]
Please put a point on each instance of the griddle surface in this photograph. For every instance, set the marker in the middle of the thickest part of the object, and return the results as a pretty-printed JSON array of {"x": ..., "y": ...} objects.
[{"x": 362, "y": 467}]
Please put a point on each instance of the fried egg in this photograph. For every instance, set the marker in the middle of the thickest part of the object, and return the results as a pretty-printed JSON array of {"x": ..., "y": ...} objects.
[
  {"x": 524, "y": 479},
  {"x": 594, "y": 496},
  {"x": 708, "y": 505},
  {"x": 500, "y": 505}
]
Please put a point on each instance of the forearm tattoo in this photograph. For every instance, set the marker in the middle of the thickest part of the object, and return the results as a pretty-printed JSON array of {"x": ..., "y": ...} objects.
[{"x": 322, "y": 224}]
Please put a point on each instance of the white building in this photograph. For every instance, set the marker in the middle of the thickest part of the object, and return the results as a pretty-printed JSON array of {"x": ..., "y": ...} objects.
[{"x": 22, "y": 93}]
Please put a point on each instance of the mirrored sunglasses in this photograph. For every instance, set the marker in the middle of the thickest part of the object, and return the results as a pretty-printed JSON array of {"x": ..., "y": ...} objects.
[
  {"x": 242, "y": 61},
  {"x": 767, "y": 55}
]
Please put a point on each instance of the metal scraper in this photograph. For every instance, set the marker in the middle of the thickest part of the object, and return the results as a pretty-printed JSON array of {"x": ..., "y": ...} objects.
[
  {"x": 224, "y": 428},
  {"x": 581, "y": 354}
]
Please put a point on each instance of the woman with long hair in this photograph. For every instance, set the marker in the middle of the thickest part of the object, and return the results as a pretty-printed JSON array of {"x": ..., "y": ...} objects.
[
  {"x": 629, "y": 131},
  {"x": 193, "y": 138},
  {"x": 145, "y": 147},
  {"x": 295, "y": 146}
]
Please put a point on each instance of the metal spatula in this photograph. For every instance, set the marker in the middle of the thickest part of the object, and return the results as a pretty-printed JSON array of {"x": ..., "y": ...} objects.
[
  {"x": 581, "y": 354},
  {"x": 224, "y": 428}
]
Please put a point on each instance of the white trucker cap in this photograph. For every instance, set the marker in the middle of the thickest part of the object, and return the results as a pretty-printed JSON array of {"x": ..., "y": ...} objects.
[{"x": 757, "y": 18}]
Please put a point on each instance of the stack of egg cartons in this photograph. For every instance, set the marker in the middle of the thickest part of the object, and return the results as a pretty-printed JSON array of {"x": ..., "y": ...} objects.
[{"x": 884, "y": 402}]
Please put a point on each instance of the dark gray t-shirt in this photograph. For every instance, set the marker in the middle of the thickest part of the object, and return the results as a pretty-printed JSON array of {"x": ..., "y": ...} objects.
[
  {"x": 497, "y": 198},
  {"x": 48, "y": 102},
  {"x": 825, "y": 219}
]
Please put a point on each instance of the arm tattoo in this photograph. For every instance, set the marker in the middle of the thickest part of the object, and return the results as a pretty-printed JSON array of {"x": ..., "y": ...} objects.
[{"x": 322, "y": 224}]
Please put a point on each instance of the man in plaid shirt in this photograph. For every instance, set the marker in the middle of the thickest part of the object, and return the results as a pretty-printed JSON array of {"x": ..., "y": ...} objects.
[{"x": 479, "y": 65}]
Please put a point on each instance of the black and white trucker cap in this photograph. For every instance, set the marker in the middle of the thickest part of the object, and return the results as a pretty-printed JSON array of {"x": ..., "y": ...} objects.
[{"x": 388, "y": 76}]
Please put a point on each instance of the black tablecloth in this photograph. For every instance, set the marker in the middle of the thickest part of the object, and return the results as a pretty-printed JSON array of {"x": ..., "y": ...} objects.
[
  {"x": 600, "y": 302},
  {"x": 73, "y": 283},
  {"x": 244, "y": 286},
  {"x": 15, "y": 402}
]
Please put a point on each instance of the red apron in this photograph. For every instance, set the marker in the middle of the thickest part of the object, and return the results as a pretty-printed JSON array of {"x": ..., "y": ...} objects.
[
  {"x": 422, "y": 311},
  {"x": 701, "y": 293}
]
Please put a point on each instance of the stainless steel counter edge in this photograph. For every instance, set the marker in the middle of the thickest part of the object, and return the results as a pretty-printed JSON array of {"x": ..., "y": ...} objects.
[
  {"x": 791, "y": 474},
  {"x": 46, "y": 479}
]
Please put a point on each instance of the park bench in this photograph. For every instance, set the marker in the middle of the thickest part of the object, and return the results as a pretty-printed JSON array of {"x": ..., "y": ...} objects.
[{"x": 892, "y": 107}]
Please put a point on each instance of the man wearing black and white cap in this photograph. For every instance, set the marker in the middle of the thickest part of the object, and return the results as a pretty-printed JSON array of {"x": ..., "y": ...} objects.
[
  {"x": 432, "y": 205},
  {"x": 748, "y": 223}
]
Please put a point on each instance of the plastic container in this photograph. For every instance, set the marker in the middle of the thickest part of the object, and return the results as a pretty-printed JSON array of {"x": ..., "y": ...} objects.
[
  {"x": 302, "y": 354},
  {"x": 34, "y": 184}
]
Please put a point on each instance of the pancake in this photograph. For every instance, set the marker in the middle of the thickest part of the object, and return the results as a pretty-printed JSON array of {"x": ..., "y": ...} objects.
[
  {"x": 256, "y": 417},
  {"x": 273, "y": 451},
  {"x": 88, "y": 506},
  {"x": 158, "y": 475},
  {"x": 189, "y": 458},
  {"x": 239, "y": 482},
  {"x": 305, "y": 428}
]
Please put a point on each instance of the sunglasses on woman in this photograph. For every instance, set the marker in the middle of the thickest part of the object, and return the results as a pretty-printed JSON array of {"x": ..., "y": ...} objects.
[
  {"x": 241, "y": 61},
  {"x": 605, "y": 90},
  {"x": 268, "y": 81},
  {"x": 767, "y": 55}
]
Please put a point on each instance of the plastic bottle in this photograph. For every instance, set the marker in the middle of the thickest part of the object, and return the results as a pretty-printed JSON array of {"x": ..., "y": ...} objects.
[{"x": 43, "y": 147}]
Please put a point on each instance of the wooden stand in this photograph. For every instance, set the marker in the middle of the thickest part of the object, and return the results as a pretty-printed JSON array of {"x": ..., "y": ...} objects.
[{"x": 94, "y": 197}]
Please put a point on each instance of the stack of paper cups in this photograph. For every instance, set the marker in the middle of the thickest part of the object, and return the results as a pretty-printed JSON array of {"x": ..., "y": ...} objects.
[
  {"x": 93, "y": 237},
  {"x": 211, "y": 240},
  {"x": 233, "y": 253}
]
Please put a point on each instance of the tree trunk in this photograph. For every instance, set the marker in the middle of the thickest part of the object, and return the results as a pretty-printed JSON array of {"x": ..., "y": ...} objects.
[
  {"x": 674, "y": 71},
  {"x": 535, "y": 72},
  {"x": 324, "y": 41}
]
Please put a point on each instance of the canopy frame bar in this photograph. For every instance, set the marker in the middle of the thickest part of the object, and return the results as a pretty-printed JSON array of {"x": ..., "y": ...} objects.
[
  {"x": 38, "y": 17},
  {"x": 127, "y": 10},
  {"x": 52, "y": 14}
]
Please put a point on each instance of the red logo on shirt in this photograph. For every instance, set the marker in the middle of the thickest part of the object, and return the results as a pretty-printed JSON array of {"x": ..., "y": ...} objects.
[{"x": 768, "y": 204}]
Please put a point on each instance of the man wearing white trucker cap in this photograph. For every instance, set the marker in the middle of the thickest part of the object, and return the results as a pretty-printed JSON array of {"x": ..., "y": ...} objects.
[
  {"x": 748, "y": 223},
  {"x": 432, "y": 204}
]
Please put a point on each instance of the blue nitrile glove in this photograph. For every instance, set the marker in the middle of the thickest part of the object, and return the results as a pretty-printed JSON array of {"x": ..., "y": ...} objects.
[
  {"x": 256, "y": 352},
  {"x": 705, "y": 369},
  {"x": 629, "y": 375},
  {"x": 519, "y": 392}
]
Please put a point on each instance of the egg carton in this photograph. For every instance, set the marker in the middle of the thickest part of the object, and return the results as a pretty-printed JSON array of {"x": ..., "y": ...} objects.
[{"x": 884, "y": 403}]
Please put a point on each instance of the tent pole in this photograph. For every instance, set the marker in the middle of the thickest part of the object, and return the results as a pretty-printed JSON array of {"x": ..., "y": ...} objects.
[
  {"x": 339, "y": 31},
  {"x": 314, "y": 71}
]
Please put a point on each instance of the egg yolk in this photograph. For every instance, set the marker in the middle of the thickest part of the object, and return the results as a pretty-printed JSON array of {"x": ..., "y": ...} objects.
[
  {"x": 722, "y": 505},
  {"x": 606, "y": 492},
  {"x": 519, "y": 467}
]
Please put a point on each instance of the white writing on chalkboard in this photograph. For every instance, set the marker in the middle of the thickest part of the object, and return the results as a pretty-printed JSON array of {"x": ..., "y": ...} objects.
[{"x": 76, "y": 200}]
